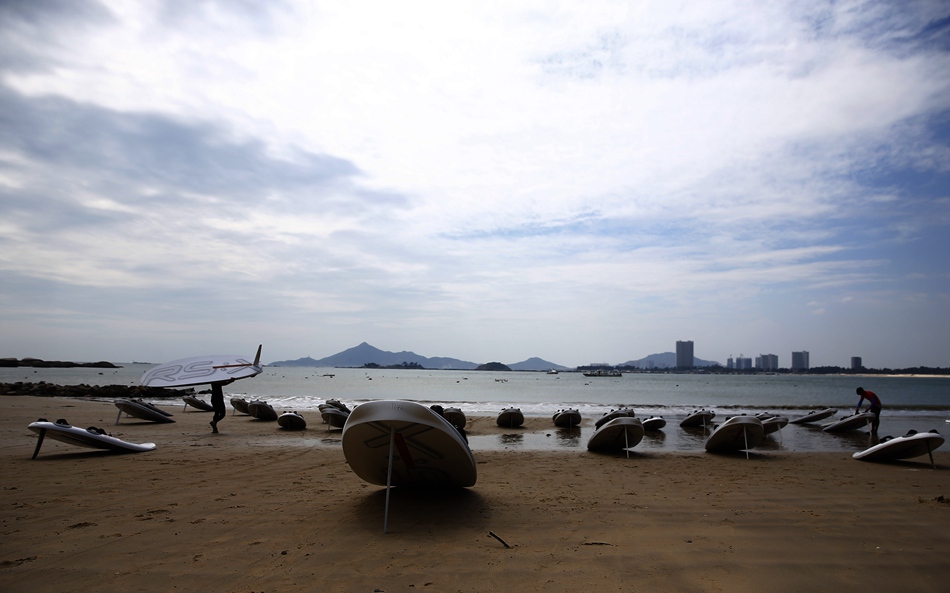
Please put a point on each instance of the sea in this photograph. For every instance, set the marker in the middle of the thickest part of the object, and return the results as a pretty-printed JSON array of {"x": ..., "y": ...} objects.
[{"x": 920, "y": 403}]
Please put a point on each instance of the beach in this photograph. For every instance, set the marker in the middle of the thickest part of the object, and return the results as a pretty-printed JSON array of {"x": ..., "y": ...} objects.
[{"x": 255, "y": 508}]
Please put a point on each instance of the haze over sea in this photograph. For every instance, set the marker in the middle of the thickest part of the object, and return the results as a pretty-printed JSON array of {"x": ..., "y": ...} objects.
[{"x": 910, "y": 403}]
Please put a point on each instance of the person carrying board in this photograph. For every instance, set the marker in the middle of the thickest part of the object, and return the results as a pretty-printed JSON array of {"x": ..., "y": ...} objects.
[
  {"x": 217, "y": 402},
  {"x": 874, "y": 409}
]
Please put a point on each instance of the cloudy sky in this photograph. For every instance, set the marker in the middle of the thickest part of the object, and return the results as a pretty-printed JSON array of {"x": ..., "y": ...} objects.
[{"x": 583, "y": 182}]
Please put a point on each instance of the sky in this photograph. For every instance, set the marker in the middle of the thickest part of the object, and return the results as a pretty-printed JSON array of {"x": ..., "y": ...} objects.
[{"x": 489, "y": 181}]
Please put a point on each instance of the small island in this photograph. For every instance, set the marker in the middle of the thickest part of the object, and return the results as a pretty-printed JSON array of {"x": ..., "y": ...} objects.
[
  {"x": 493, "y": 366},
  {"x": 54, "y": 364}
]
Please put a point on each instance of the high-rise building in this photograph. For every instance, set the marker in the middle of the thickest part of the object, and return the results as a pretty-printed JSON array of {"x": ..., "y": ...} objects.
[
  {"x": 743, "y": 363},
  {"x": 856, "y": 363},
  {"x": 800, "y": 361},
  {"x": 684, "y": 354},
  {"x": 766, "y": 362}
]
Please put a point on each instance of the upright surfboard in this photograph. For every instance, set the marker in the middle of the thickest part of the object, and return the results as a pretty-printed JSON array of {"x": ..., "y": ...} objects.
[
  {"x": 426, "y": 450},
  {"x": 698, "y": 419},
  {"x": 291, "y": 421},
  {"x": 510, "y": 418},
  {"x": 92, "y": 437},
  {"x": 739, "y": 433},
  {"x": 200, "y": 370},
  {"x": 623, "y": 432},
  {"x": 568, "y": 418}
]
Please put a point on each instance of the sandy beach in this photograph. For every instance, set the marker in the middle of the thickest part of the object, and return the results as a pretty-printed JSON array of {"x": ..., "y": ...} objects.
[{"x": 256, "y": 508}]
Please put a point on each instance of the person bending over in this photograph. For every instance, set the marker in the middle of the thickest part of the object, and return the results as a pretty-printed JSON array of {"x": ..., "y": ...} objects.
[{"x": 875, "y": 406}]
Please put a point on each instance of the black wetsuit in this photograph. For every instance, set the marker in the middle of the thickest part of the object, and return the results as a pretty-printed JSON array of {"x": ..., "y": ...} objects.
[{"x": 217, "y": 402}]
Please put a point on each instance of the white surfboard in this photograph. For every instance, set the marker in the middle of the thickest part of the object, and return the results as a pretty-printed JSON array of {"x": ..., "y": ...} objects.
[
  {"x": 654, "y": 423},
  {"x": 623, "y": 432},
  {"x": 240, "y": 405},
  {"x": 608, "y": 416},
  {"x": 814, "y": 416},
  {"x": 333, "y": 417},
  {"x": 424, "y": 448},
  {"x": 852, "y": 422},
  {"x": 262, "y": 410},
  {"x": 291, "y": 421},
  {"x": 568, "y": 418},
  {"x": 200, "y": 370},
  {"x": 913, "y": 444},
  {"x": 510, "y": 418},
  {"x": 197, "y": 403},
  {"x": 739, "y": 433},
  {"x": 774, "y": 423},
  {"x": 698, "y": 419},
  {"x": 141, "y": 410},
  {"x": 92, "y": 438}
]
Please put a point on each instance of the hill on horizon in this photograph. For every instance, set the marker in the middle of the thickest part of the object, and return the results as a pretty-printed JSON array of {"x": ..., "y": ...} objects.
[
  {"x": 364, "y": 353},
  {"x": 664, "y": 360}
]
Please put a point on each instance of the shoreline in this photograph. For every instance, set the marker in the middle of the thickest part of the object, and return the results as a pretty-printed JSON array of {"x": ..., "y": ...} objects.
[{"x": 227, "y": 513}]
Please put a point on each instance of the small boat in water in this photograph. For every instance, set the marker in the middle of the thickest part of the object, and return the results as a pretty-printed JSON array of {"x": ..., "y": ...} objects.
[
  {"x": 510, "y": 418},
  {"x": 654, "y": 423}
]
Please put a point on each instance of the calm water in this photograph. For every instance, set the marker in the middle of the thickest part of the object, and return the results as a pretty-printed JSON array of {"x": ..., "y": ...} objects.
[{"x": 919, "y": 403}]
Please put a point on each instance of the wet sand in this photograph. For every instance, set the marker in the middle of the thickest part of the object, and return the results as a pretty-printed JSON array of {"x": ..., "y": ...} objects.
[{"x": 256, "y": 508}]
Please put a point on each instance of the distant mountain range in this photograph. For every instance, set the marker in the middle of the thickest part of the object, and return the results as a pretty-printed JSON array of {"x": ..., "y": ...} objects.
[{"x": 367, "y": 354}]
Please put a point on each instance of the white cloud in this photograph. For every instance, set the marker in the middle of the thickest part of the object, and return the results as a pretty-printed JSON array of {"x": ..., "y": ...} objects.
[{"x": 442, "y": 167}]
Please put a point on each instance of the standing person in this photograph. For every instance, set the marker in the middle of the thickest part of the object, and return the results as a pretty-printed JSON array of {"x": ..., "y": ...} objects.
[
  {"x": 217, "y": 402},
  {"x": 875, "y": 406}
]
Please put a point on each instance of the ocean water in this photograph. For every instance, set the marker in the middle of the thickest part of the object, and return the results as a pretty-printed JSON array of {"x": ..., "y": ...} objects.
[{"x": 910, "y": 403}]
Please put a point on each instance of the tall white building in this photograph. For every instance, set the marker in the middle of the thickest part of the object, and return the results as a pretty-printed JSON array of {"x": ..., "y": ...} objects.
[
  {"x": 766, "y": 362},
  {"x": 684, "y": 354},
  {"x": 800, "y": 361}
]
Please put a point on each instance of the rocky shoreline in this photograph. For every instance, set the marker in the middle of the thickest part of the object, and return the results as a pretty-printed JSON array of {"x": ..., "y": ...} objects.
[
  {"x": 44, "y": 389},
  {"x": 55, "y": 364}
]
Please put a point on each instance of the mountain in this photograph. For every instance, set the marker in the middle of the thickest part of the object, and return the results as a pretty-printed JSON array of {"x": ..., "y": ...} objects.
[
  {"x": 364, "y": 353},
  {"x": 536, "y": 364},
  {"x": 664, "y": 360}
]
